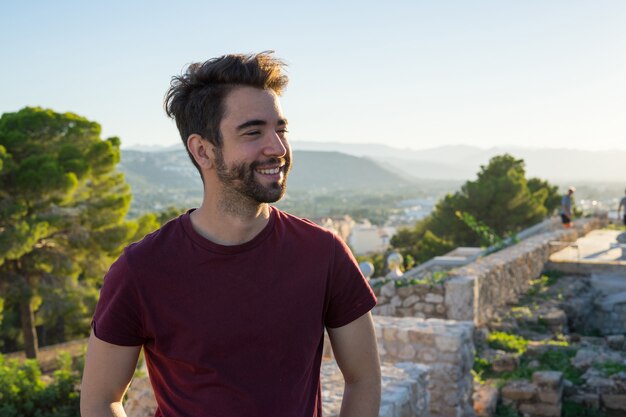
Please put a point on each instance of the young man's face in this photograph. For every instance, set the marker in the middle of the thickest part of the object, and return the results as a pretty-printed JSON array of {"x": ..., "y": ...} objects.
[{"x": 255, "y": 156}]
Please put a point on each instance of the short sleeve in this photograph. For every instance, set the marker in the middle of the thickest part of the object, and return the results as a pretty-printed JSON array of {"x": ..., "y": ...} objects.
[
  {"x": 118, "y": 318},
  {"x": 350, "y": 294}
]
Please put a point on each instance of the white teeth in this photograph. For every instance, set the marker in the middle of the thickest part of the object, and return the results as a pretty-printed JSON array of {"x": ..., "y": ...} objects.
[{"x": 269, "y": 171}]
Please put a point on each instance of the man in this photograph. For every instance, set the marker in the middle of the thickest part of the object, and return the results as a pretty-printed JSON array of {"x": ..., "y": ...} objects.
[
  {"x": 566, "y": 207},
  {"x": 622, "y": 204},
  {"x": 230, "y": 300}
]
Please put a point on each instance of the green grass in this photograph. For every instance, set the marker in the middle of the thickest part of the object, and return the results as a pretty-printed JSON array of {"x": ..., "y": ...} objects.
[
  {"x": 611, "y": 368},
  {"x": 553, "y": 360},
  {"x": 571, "y": 409},
  {"x": 481, "y": 368},
  {"x": 507, "y": 342},
  {"x": 505, "y": 411}
]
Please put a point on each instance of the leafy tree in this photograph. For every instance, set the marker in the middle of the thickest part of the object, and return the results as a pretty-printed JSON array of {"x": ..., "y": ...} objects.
[
  {"x": 62, "y": 209},
  {"x": 168, "y": 214},
  {"x": 501, "y": 200},
  {"x": 545, "y": 193}
]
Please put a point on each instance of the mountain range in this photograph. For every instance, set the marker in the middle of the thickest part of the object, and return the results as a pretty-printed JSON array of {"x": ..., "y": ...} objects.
[
  {"x": 165, "y": 176},
  {"x": 311, "y": 170},
  {"x": 462, "y": 162},
  {"x": 455, "y": 162}
]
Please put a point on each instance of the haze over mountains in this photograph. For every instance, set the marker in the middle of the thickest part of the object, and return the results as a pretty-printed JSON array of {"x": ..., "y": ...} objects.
[
  {"x": 314, "y": 169},
  {"x": 458, "y": 162},
  {"x": 160, "y": 177},
  {"x": 462, "y": 162}
]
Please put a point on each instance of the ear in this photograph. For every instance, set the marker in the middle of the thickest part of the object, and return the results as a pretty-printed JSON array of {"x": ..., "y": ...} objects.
[{"x": 201, "y": 150}]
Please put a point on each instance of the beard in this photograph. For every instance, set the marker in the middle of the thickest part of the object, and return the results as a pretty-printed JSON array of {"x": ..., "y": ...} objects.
[{"x": 240, "y": 178}]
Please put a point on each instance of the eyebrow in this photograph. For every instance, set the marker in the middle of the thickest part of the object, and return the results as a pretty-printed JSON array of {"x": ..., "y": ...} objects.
[{"x": 259, "y": 122}]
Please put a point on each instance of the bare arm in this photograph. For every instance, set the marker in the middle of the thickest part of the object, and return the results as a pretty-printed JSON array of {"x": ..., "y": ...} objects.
[
  {"x": 107, "y": 375},
  {"x": 354, "y": 346}
]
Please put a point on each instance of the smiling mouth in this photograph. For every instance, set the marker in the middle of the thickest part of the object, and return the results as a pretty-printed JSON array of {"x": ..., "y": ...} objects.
[{"x": 269, "y": 171}]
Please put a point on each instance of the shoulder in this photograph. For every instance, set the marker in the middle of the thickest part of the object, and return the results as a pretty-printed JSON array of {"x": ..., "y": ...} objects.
[
  {"x": 156, "y": 245},
  {"x": 301, "y": 225},
  {"x": 304, "y": 234}
]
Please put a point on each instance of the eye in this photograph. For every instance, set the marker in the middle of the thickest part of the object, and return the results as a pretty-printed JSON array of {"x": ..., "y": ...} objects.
[
  {"x": 282, "y": 130},
  {"x": 253, "y": 133}
]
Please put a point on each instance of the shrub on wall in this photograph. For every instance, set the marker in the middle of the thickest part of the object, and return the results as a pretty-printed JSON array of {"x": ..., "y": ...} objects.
[{"x": 23, "y": 392}]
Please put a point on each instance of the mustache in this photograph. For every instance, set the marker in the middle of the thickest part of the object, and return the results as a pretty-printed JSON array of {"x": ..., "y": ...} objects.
[{"x": 270, "y": 162}]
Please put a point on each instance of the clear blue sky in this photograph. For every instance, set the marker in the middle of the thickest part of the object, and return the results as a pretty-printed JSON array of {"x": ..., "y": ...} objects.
[{"x": 415, "y": 74}]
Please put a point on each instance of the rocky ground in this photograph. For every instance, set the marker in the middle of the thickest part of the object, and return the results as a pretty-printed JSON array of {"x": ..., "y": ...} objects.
[{"x": 542, "y": 356}]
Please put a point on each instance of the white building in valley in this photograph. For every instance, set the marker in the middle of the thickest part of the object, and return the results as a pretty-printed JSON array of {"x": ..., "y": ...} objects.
[{"x": 368, "y": 238}]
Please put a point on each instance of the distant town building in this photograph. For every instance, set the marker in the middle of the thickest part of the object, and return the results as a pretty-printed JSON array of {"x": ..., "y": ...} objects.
[
  {"x": 341, "y": 226},
  {"x": 367, "y": 238}
]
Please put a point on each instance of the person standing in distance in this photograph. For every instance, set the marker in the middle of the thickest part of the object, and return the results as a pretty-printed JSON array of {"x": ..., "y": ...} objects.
[
  {"x": 566, "y": 207},
  {"x": 230, "y": 300},
  {"x": 622, "y": 205}
]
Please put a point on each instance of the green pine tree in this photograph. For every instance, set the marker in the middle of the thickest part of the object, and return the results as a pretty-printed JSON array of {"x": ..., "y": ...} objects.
[
  {"x": 62, "y": 210},
  {"x": 501, "y": 198}
]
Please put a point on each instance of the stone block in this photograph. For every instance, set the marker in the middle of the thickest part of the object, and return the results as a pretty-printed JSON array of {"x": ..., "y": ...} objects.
[
  {"x": 447, "y": 343},
  {"x": 615, "y": 403},
  {"x": 536, "y": 349},
  {"x": 615, "y": 342},
  {"x": 404, "y": 312},
  {"x": 388, "y": 290},
  {"x": 506, "y": 362},
  {"x": 555, "y": 318},
  {"x": 584, "y": 358},
  {"x": 410, "y": 300},
  {"x": 406, "y": 352},
  {"x": 548, "y": 380},
  {"x": 389, "y": 333},
  {"x": 519, "y": 390},
  {"x": 396, "y": 301},
  {"x": 380, "y": 300},
  {"x": 587, "y": 399},
  {"x": 459, "y": 298},
  {"x": 550, "y": 397},
  {"x": 428, "y": 308},
  {"x": 384, "y": 310},
  {"x": 485, "y": 400},
  {"x": 405, "y": 292},
  {"x": 541, "y": 410},
  {"x": 419, "y": 307},
  {"x": 434, "y": 298}
]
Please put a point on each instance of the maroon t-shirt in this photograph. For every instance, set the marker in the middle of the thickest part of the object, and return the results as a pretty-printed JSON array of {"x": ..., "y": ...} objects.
[{"x": 233, "y": 330}]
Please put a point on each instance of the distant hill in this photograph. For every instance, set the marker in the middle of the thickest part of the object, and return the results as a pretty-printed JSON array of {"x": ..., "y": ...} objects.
[
  {"x": 462, "y": 162},
  {"x": 335, "y": 170},
  {"x": 327, "y": 170}
]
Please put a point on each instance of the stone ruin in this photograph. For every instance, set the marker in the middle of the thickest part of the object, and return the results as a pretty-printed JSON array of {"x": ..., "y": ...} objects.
[{"x": 428, "y": 333}]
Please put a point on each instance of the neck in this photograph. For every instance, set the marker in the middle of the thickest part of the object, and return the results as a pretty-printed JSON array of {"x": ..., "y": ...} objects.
[{"x": 229, "y": 219}]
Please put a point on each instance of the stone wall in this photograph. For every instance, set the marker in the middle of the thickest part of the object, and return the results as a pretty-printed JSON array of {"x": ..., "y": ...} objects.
[
  {"x": 419, "y": 300},
  {"x": 542, "y": 397},
  {"x": 609, "y": 314},
  {"x": 587, "y": 267},
  {"x": 446, "y": 347},
  {"x": 404, "y": 390},
  {"x": 476, "y": 291}
]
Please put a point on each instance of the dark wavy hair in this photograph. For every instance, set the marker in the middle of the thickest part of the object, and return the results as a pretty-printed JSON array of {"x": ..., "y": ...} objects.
[{"x": 195, "y": 99}]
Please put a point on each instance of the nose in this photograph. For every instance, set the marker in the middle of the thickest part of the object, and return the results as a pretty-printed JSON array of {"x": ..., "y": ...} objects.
[{"x": 276, "y": 145}]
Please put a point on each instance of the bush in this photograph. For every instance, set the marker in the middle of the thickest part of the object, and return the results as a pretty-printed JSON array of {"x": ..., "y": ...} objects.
[
  {"x": 23, "y": 393},
  {"x": 507, "y": 342}
]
